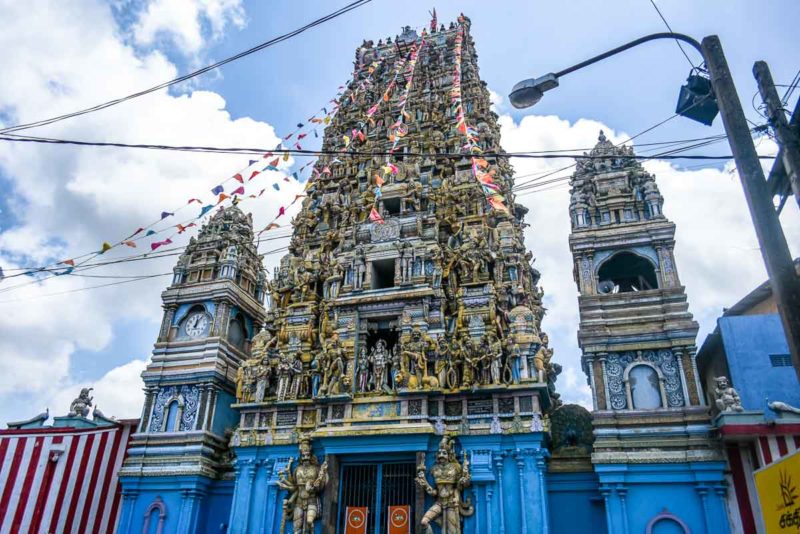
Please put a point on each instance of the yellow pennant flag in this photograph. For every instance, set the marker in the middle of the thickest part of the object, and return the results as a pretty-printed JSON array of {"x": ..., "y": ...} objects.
[{"x": 105, "y": 247}]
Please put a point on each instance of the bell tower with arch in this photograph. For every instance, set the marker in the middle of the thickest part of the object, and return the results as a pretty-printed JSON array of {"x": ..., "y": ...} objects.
[{"x": 637, "y": 341}]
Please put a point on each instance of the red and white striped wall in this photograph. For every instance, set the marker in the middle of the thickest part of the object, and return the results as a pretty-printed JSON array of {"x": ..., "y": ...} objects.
[
  {"x": 61, "y": 480},
  {"x": 750, "y": 447}
]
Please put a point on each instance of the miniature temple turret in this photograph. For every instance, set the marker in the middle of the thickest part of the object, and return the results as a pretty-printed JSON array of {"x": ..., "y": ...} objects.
[{"x": 637, "y": 340}]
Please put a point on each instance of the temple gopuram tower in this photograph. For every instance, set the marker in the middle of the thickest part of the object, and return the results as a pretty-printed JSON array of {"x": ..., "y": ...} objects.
[
  {"x": 402, "y": 349},
  {"x": 653, "y": 450},
  {"x": 177, "y": 473}
]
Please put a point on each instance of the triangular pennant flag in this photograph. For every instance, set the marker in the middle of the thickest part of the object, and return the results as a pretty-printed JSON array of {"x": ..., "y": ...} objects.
[
  {"x": 261, "y": 192},
  {"x": 205, "y": 209},
  {"x": 297, "y": 146},
  {"x": 217, "y": 190},
  {"x": 271, "y": 226},
  {"x": 269, "y": 154},
  {"x": 69, "y": 262},
  {"x": 222, "y": 197},
  {"x": 378, "y": 180},
  {"x": 378, "y": 193},
  {"x": 375, "y": 217},
  {"x": 255, "y": 173},
  {"x": 140, "y": 230},
  {"x": 239, "y": 191},
  {"x": 238, "y": 177},
  {"x": 281, "y": 212},
  {"x": 294, "y": 175},
  {"x": 252, "y": 161},
  {"x": 301, "y": 136},
  {"x": 299, "y": 124},
  {"x": 276, "y": 187},
  {"x": 275, "y": 162},
  {"x": 150, "y": 232},
  {"x": 131, "y": 244},
  {"x": 315, "y": 133},
  {"x": 286, "y": 156},
  {"x": 105, "y": 247},
  {"x": 288, "y": 137},
  {"x": 193, "y": 200},
  {"x": 66, "y": 271},
  {"x": 165, "y": 214},
  {"x": 157, "y": 244}
]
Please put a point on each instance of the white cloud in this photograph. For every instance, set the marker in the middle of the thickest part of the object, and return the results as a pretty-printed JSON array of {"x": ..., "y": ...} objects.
[
  {"x": 68, "y": 200},
  {"x": 716, "y": 248},
  {"x": 187, "y": 23}
]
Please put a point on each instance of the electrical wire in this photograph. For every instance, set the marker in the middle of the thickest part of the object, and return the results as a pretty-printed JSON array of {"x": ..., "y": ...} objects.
[
  {"x": 670, "y": 29},
  {"x": 341, "y": 11},
  {"x": 303, "y": 152}
]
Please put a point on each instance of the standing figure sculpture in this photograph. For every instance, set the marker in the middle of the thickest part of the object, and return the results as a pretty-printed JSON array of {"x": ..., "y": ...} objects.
[
  {"x": 450, "y": 478},
  {"x": 304, "y": 485},
  {"x": 379, "y": 358}
]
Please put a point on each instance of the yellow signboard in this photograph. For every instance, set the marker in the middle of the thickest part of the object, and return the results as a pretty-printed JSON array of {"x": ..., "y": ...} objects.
[{"x": 778, "y": 487}]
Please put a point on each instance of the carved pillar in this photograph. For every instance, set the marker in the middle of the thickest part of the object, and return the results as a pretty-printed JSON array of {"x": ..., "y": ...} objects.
[
  {"x": 623, "y": 493},
  {"x": 129, "y": 497},
  {"x": 202, "y": 406},
  {"x": 245, "y": 472},
  {"x": 603, "y": 357},
  {"x": 166, "y": 322},
  {"x": 190, "y": 511},
  {"x": 488, "y": 500},
  {"x": 498, "y": 465},
  {"x": 687, "y": 401},
  {"x": 147, "y": 411},
  {"x": 590, "y": 375},
  {"x": 541, "y": 465},
  {"x": 693, "y": 379},
  {"x": 519, "y": 456}
]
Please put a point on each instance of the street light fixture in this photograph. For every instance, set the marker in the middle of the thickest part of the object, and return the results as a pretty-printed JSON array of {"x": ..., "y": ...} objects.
[{"x": 696, "y": 104}]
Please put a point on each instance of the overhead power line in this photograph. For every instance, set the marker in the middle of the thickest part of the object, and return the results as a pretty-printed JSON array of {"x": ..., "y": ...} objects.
[
  {"x": 670, "y": 29},
  {"x": 341, "y": 11},
  {"x": 338, "y": 153}
]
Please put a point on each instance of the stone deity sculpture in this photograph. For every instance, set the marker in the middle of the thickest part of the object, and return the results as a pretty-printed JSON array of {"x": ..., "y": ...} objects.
[
  {"x": 727, "y": 399},
  {"x": 450, "y": 478},
  {"x": 305, "y": 484},
  {"x": 82, "y": 404}
]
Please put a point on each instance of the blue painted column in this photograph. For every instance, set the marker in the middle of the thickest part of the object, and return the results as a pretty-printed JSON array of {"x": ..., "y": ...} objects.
[
  {"x": 263, "y": 500},
  {"x": 190, "y": 510},
  {"x": 498, "y": 465},
  {"x": 540, "y": 456},
  {"x": 616, "y": 519},
  {"x": 714, "y": 508},
  {"x": 240, "y": 511},
  {"x": 487, "y": 489},
  {"x": 525, "y": 505},
  {"x": 129, "y": 498}
]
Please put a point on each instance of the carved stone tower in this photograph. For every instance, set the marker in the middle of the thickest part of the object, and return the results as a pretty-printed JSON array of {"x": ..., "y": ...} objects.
[
  {"x": 636, "y": 334},
  {"x": 212, "y": 310},
  {"x": 406, "y": 309}
]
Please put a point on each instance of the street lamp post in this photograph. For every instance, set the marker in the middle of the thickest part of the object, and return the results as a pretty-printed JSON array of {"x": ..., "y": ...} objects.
[{"x": 771, "y": 239}]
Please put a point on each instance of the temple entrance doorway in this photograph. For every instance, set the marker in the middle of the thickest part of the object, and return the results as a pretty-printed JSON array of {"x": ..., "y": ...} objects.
[
  {"x": 374, "y": 488},
  {"x": 384, "y": 328}
]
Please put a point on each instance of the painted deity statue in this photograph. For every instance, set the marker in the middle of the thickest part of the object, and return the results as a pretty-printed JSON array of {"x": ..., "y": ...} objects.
[
  {"x": 82, "y": 404},
  {"x": 379, "y": 358},
  {"x": 450, "y": 477},
  {"x": 726, "y": 397},
  {"x": 305, "y": 484}
]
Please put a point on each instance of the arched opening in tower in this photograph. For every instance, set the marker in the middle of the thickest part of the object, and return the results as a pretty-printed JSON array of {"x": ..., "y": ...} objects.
[{"x": 625, "y": 272}]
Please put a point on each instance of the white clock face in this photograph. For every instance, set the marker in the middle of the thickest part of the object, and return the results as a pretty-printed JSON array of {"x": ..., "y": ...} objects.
[{"x": 196, "y": 324}]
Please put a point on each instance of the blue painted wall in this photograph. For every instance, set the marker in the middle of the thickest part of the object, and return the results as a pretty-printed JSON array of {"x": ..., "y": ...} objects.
[
  {"x": 575, "y": 503},
  {"x": 749, "y": 340},
  {"x": 509, "y": 485},
  {"x": 636, "y": 493},
  {"x": 194, "y": 504}
]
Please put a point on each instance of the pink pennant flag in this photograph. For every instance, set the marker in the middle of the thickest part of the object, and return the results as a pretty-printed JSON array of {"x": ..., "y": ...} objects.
[
  {"x": 194, "y": 200},
  {"x": 375, "y": 217},
  {"x": 238, "y": 191},
  {"x": 299, "y": 137},
  {"x": 238, "y": 178},
  {"x": 157, "y": 244},
  {"x": 281, "y": 212}
]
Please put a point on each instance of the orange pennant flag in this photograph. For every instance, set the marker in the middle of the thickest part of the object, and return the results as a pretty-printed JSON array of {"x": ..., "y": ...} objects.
[
  {"x": 129, "y": 243},
  {"x": 222, "y": 197},
  {"x": 378, "y": 180},
  {"x": 69, "y": 262},
  {"x": 275, "y": 162}
]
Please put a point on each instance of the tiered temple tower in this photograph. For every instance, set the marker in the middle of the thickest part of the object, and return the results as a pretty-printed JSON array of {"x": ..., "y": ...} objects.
[
  {"x": 178, "y": 461},
  {"x": 407, "y": 309},
  {"x": 653, "y": 451}
]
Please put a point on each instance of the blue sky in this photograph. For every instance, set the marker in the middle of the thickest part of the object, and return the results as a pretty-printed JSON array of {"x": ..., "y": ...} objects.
[{"x": 60, "y": 202}]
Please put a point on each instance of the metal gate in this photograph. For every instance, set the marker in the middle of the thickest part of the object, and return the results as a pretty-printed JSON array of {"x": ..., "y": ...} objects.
[{"x": 390, "y": 484}]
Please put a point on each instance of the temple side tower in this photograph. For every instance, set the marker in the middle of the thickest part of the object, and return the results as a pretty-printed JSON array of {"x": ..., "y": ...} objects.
[
  {"x": 637, "y": 339},
  {"x": 178, "y": 456}
]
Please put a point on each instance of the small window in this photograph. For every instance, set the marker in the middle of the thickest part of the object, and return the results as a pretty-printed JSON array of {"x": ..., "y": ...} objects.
[
  {"x": 627, "y": 272},
  {"x": 780, "y": 360},
  {"x": 645, "y": 389},
  {"x": 382, "y": 274},
  {"x": 391, "y": 206},
  {"x": 172, "y": 417},
  {"x": 236, "y": 332}
]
